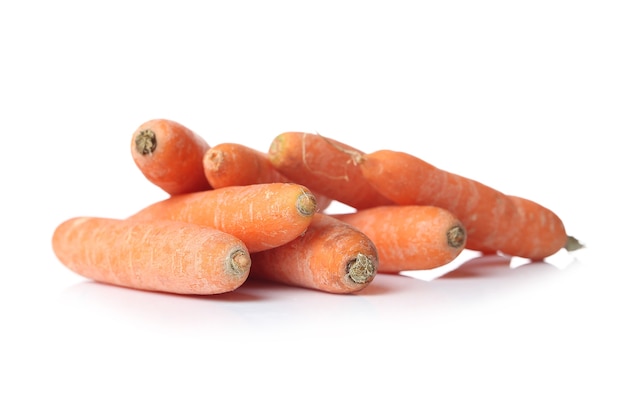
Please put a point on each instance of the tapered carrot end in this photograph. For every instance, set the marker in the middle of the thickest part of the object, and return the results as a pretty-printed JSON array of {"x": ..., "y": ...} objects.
[{"x": 361, "y": 270}]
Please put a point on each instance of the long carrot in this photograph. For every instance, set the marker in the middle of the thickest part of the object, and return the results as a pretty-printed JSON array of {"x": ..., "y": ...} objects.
[
  {"x": 320, "y": 164},
  {"x": 494, "y": 221},
  {"x": 163, "y": 256},
  {"x": 263, "y": 216},
  {"x": 231, "y": 163},
  {"x": 410, "y": 237},
  {"x": 330, "y": 256},
  {"x": 170, "y": 155}
]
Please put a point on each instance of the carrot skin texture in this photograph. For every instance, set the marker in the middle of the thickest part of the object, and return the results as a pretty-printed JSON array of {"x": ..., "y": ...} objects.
[
  {"x": 493, "y": 221},
  {"x": 229, "y": 163},
  {"x": 331, "y": 256},
  {"x": 263, "y": 216},
  {"x": 170, "y": 156},
  {"x": 172, "y": 257},
  {"x": 410, "y": 237},
  {"x": 323, "y": 164}
]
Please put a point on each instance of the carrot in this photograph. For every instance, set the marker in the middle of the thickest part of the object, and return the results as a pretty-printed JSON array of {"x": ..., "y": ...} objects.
[
  {"x": 163, "y": 256},
  {"x": 410, "y": 237},
  {"x": 331, "y": 256},
  {"x": 170, "y": 155},
  {"x": 230, "y": 163},
  {"x": 261, "y": 215},
  {"x": 320, "y": 164},
  {"x": 494, "y": 221}
]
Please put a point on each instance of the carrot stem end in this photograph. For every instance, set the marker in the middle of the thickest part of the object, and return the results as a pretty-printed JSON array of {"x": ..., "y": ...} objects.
[
  {"x": 361, "y": 270},
  {"x": 145, "y": 142}
]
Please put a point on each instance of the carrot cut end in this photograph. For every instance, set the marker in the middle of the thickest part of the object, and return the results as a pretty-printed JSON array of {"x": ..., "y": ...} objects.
[
  {"x": 306, "y": 204},
  {"x": 238, "y": 262},
  {"x": 214, "y": 159},
  {"x": 361, "y": 270},
  {"x": 456, "y": 236},
  {"x": 145, "y": 142}
]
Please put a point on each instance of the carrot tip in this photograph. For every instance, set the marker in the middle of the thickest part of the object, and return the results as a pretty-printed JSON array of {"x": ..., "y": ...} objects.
[
  {"x": 456, "y": 236},
  {"x": 239, "y": 262},
  {"x": 361, "y": 270},
  {"x": 306, "y": 204},
  {"x": 145, "y": 142},
  {"x": 573, "y": 244}
]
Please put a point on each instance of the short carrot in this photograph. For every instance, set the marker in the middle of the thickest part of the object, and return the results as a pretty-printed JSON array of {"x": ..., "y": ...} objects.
[
  {"x": 164, "y": 256},
  {"x": 494, "y": 221},
  {"x": 263, "y": 216},
  {"x": 410, "y": 237},
  {"x": 231, "y": 163},
  {"x": 330, "y": 256},
  {"x": 170, "y": 155},
  {"x": 320, "y": 164}
]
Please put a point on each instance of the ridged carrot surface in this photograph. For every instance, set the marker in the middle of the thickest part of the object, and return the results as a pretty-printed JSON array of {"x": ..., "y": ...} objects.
[
  {"x": 263, "y": 216},
  {"x": 410, "y": 237},
  {"x": 494, "y": 221},
  {"x": 164, "y": 256},
  {"x": 230, "y": 163},
  {"x": 331, "y": 256},
  {"x": 322, "y": 164}
]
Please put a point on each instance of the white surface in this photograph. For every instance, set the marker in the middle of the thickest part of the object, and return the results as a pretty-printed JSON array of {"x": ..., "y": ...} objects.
[{"x": 527, "y": 98}]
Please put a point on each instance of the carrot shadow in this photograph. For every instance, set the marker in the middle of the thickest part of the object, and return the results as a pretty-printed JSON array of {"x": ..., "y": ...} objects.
[{"x": 496, "y": 266}]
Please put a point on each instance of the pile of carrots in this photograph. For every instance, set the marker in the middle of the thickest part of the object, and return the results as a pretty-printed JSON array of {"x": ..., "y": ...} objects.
[{"x": 235, "y": 213}]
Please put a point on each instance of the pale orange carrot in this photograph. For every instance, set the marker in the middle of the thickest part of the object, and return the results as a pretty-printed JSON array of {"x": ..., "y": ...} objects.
[
  {"x": 231, "y": 163},
  {"x": 410, "y": 237},
  {"x": 330, "y": 256},
  {"x": 165, "y": 256},
  {"x": 170, "y": 156},
  {"x": 321, "y": 164},
  {"x": 263, "y": 216}
]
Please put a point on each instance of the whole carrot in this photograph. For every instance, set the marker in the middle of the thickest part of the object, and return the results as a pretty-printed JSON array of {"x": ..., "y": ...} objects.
[
  {"x": 410, "y": 237},
  {"x": 322, "y": 164},
  {"x": 170, "y": 155},
  {"x": 231, "y": 163},
  {"x": 330, "y": 256},
  {"x": 163, "y": 256},
  {"x": 263, "y": 216},
  {"x": 494, "y": 221}
]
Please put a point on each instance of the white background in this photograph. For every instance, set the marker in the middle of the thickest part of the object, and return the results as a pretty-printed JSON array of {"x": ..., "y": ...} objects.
[{"x": 527, "y": 97}]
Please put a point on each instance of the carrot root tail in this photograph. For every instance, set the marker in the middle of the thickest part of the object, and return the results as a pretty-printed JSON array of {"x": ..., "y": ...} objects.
[{"x": 573, "y": 244}]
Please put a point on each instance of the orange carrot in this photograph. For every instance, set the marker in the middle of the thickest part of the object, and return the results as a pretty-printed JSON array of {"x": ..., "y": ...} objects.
[
  {"x": 330, "y": 256},
  {"x": 493, "y": 221},
  {"x": 263, "y": 216},
  {"x": 163, "y": 256},
  {"x": 320, "y": 164},
  {"x": 410, "y": 237},
  {"x": 230, "y": 163},
  {"x": 170, "y": 155}
]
